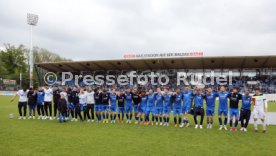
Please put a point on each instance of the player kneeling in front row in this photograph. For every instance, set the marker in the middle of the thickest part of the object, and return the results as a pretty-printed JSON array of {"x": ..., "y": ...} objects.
[
  {"x": 245, "y": 111},
  {"x": 260, "y": 107}
]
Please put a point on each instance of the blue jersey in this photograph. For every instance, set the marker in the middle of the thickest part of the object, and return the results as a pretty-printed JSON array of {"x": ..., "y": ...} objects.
[
  {"x": 151, "y": 100},
  {"x": 40, "y": 97},
  {"x": 167, "y": 100},
  {"x": 198, "y": 100},
  {"x": 177, "y": 101},
  {"x": 113, "y": 98},
  {"x": 246, "y": 102},
  {"x": 223, "y": 100},
  {"x": 144, "y": 101},
  {"x": 187, "y": 98},
  {"x": 159, "y": 100},
  {"x": 211, "y": 100},
  {"x": 128, "y": 98}
]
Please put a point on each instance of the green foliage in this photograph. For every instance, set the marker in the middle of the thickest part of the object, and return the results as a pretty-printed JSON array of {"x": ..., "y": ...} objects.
[
  {"x": 42, "y": 55},
  {"x": 14, "y": 60}
]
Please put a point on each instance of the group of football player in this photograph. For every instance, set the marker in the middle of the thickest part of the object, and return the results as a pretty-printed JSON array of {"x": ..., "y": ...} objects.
[{"x": 148, "y": 107}]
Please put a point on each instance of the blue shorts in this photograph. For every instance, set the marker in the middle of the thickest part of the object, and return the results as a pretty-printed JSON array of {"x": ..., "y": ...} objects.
[
  {"x": 83, "y": 107},
  {"x": 121, "y": 110},
  {"x": 186, "y": 109},
  {"x": 177, "y": 111},
  {"x": 32, "y": 107},
  {"x": 149, "y": 110},
  {"x": 210, "y": 112},
  {"x": 234, "y": 112},
  {"x": 158, "y": 110},
  {"x": 98, "y": 108},
  {"x": 135, "y": 107},
  {"x": 167, "y": 110},
  {"x": 104, "y": 108},
  {"x": 112, "y": 109},
  {"x": 71, "y": 106},
  {"x": 142, "y": 110},
  {"x": 223, "y": 111},
  {"x": 129, "y": 108}
]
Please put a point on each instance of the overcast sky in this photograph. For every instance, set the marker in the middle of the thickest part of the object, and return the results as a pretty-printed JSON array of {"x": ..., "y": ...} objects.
[{"x": 107, "y": 29}]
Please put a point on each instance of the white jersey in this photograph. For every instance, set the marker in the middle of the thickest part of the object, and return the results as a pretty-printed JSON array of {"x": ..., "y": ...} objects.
[
  {"x": 82, "y": 98},
  {"x": 260, "y": 104},
  {"x": 260, "y": 101},
  {"x": 65, "y": 95},
  {"x": 90, "y": 97},
  {"x": 22, "y": 95},
  {"x": 48, "y": 95}
]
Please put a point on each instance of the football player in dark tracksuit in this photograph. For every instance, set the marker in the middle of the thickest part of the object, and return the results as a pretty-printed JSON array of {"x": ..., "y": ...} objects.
[
  {"x": 56, "y": 95},
  {"x": 62, "y": 108},
  {"x": 31, "y": 103},
  {"x": 75, "y": 101}
]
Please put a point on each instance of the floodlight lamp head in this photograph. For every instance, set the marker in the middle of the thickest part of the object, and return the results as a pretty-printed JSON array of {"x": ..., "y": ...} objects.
[{"x": 32, "y": 19}]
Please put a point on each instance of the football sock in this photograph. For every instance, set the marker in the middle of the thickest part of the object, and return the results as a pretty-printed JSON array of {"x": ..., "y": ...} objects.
[
  {"x": 225, "y": 121},
  {"x": 236, "y": 122},
  {"x": 174, "y": 120},
  {"x": 220, "y": 121}
]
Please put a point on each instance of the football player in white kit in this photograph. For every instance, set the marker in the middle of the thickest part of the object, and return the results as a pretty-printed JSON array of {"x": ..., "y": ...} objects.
[
  {"x": 22, "y": 102},
  {"x": 48, "y": 97},
  {"x": 260, "y": 107}
]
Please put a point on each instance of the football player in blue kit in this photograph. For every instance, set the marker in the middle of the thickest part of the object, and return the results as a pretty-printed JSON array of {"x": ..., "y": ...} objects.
[
  {"x": 223, "y": 108},
  {"x": 150, "y": 107},
  {"x": 129, "y": 105},
  {"x": 167, "y": 106},
  {"x": 112, "y": 105},
  {"x": 187, "y": 102},
  {"x": 159, "y": 107},
  {"x": 143, "y": 107},
  {"x": 210, "y": 98},
  {"x": 177, "y": 112},
  {"x": 198, "y": 107}
]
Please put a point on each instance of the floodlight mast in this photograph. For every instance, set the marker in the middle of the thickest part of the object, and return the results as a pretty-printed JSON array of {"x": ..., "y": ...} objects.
[{"x": 32, "y": 20}]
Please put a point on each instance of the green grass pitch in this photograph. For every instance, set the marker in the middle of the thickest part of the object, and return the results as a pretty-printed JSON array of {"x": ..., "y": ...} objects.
[{"x": 37, "y": 137}]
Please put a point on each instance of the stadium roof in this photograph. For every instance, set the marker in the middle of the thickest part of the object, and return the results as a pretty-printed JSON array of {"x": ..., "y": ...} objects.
[{"x": 233, "y": 62}]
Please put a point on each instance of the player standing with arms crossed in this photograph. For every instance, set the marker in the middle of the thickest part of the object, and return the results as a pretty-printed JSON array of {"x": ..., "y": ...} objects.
[{"x": 260, "y": 108}]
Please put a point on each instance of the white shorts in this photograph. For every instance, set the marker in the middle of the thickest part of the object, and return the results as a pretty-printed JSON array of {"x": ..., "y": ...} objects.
[{"x": 258, "y": 113}]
